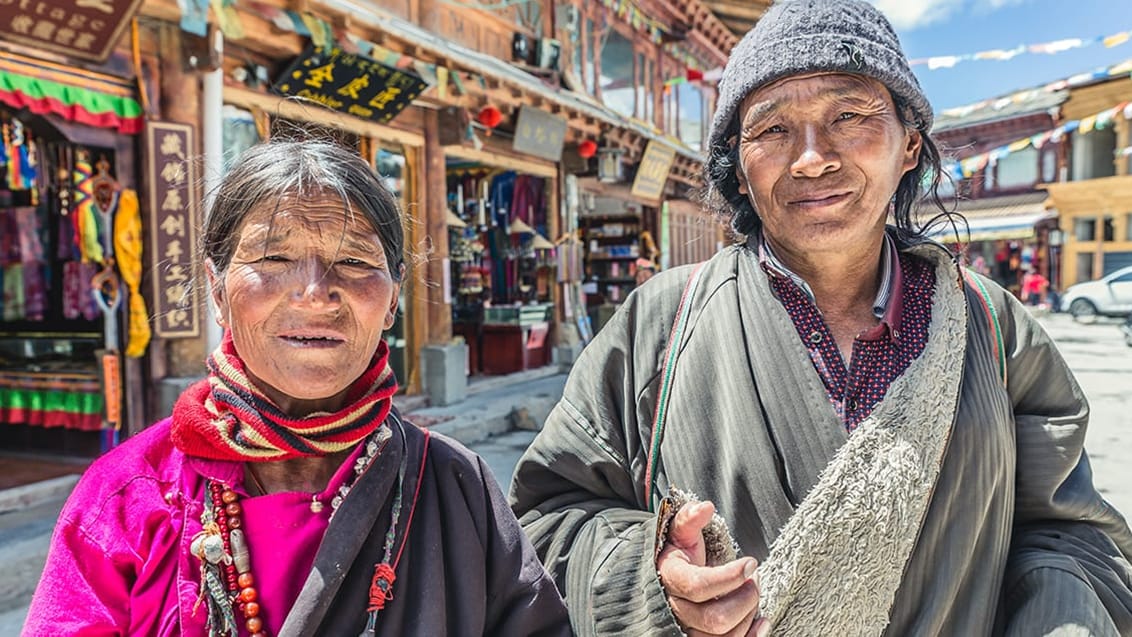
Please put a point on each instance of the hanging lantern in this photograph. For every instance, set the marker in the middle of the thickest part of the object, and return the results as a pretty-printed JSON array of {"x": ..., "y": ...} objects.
[
  {"x": 490, "y": 117},
  {"x": 587, "y": 149}
]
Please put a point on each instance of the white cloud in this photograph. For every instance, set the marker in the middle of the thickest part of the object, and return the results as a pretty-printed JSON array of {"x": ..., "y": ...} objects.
[{"x": 907, "y": 15}]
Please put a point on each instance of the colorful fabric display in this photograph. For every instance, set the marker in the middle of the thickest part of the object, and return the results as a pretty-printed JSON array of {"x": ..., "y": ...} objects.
[{"x": 50, "y": 399}]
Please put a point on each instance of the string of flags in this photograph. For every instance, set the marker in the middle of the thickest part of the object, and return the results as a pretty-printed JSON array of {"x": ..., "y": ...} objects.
[
  {"x": 1048, "y": 48},
  {"x": 628, "y": 11},
  {"x": 965, "y": 168},
  {"x": 998, "y": 103}
]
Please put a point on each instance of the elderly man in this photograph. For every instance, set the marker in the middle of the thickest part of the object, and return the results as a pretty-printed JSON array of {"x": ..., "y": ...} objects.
[{"x": 896, "y": 441}]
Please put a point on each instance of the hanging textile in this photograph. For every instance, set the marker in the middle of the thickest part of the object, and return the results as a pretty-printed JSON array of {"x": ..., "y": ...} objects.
[
  {"x": 85, "y": 216},
  {"x": 128, "y": 250}
]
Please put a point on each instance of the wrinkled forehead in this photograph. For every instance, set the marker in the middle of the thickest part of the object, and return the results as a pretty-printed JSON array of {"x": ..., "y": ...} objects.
[
  {"x": 315, "y": 214},
  {"x": 824, "y": 83}
]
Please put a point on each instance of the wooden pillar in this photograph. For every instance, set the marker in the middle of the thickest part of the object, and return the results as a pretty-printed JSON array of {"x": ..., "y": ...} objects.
[
  {"x": 435, "y": 202},
  {"x": 180, "y": 102}
]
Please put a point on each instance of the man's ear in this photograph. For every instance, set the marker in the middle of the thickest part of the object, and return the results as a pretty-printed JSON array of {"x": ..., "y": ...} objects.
[
  {"x": 216, "y": 292},
  {"x": 912, "y": 150}
]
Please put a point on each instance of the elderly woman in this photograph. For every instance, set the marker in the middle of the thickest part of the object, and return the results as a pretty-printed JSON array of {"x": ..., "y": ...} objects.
[
  {"x": 898, "y": 444},
  {"x": 285, "y": 495}
]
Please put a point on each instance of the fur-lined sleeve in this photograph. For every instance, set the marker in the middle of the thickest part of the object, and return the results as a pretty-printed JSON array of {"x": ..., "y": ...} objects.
[{"x": 1069, "y": 557}]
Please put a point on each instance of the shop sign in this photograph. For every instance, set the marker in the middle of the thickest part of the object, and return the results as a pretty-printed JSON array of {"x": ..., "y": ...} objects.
[
  {"x": 86, "y": 29},
  {"x": 349, "y": 83},
  {"x": 652, "y": 173},
  {"x": 173, "y": 208},
  {"x": 539, "y": 134}
]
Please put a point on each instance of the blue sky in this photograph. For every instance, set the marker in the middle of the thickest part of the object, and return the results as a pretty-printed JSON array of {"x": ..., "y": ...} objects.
[{"x": 930, "y": 28}]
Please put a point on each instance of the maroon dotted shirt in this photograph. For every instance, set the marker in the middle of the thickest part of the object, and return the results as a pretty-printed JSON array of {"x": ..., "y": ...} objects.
[{"x": 881, "y": 354}]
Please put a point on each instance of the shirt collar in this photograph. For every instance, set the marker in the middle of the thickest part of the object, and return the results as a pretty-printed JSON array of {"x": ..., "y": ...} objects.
[{"x": 888, "y": 306}]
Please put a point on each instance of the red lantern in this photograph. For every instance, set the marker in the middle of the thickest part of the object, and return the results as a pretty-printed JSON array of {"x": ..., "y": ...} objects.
[
  {"x": 587, "y": 149},
  {"x": 693, "y": 75},
  {"x": 490, "y": 117}
]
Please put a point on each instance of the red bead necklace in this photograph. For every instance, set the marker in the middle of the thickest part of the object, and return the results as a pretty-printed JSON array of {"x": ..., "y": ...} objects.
[{"x": 237, "y": 570}]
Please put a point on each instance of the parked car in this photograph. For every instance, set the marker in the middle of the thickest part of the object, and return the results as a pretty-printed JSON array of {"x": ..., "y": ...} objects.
[{"x": 1107, "y": 296}]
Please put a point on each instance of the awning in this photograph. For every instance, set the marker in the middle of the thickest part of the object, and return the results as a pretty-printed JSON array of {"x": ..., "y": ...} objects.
[
  {"x": 1012, "y": 218},
  {"x": 74, "y": 95}
]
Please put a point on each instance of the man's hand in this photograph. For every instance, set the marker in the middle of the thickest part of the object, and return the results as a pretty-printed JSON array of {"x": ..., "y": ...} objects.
[{"x": 708, "y": 600}]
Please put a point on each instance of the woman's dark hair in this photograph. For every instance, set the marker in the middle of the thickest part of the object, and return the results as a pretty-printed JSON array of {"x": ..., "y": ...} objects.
[
  {"x": 273, "y": 171},
  {"x": 721, "y": 194}
]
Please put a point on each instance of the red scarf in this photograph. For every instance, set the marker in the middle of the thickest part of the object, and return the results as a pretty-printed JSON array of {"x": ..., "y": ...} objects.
[{"x": 225, "y": 417}]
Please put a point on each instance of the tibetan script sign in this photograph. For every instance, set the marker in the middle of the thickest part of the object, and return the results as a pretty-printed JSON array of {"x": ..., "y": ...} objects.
[
  {"x": 86, "y": 29},
  {"x": 351, "y": 84},
  {"x": 538, "y": 133},
  {"x": 173, "y": 208},
  {"x": 652, "y": 173}
]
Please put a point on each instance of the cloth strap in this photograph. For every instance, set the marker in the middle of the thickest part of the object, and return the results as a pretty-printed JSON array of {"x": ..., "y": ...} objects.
[
  {"x": 997, "y": 345},
  {"x": 226, "y": 417},
  {"x": 671, "y": 353}
]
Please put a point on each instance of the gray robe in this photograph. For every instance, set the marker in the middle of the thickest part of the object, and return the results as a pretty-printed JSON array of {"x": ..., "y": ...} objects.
[{"x": 993, "y": 526}]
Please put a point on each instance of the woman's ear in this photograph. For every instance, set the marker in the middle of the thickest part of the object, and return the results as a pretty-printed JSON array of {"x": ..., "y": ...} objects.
[
  {"x": 391, "y": 315},
  {"x": 216, "y": 292}
]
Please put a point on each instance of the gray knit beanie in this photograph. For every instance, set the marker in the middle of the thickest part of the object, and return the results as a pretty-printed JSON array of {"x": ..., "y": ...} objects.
[{"x": 807, "y": 36}]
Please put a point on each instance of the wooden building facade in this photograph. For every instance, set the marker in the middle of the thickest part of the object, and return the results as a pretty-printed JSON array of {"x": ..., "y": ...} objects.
[{"x": 508, "y": 126}]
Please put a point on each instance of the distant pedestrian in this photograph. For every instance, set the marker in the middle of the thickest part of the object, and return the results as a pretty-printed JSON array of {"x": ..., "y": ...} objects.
[
  {"x": 896, "y": 440},
  {"x": 285, "y": 495},
  {"x": 1034, "y": 287}
]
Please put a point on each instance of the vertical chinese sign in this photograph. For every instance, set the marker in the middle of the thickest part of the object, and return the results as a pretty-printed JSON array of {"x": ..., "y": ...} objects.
[
  {"x": 173, "y": 207},
  {"x": 87, "y": 29}
]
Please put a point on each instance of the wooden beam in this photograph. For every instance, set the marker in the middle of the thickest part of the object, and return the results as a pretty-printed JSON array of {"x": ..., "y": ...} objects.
[{"x": 529, "y": 165}]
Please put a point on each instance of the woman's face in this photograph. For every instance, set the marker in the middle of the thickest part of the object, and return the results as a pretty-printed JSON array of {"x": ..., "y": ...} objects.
[{"x": 306, "y": 297}]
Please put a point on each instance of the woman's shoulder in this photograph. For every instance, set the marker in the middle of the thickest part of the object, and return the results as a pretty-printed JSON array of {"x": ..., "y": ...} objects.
[{"x": 143, "y": 462}]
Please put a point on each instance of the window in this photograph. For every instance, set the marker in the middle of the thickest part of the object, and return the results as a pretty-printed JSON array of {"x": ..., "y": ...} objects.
[
  {"x": 1128, "y": 227},
  {"x": 1109, "y": 229},
  {"x": 690, "y": 100},
  {"x": 617, "y": 90},
  {"x": 1093, "y": 154},
  {"x": 1085, "y": 229},
  {"x": 1017, "y": 169},
  {"x": 644, "y": 88}
]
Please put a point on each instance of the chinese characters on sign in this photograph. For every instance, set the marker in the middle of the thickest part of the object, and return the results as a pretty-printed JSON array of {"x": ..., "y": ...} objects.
[
  {"x": 352, "y": 84},
  {"x": 539, "y": 133},
  {"x": 173, "y": 206},
  {"x": 86, "y": 29},
  {"x": 652, "y": 173}
]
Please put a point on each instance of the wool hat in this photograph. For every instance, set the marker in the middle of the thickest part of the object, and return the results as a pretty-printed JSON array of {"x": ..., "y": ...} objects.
[{"x": 808, "y": 36}]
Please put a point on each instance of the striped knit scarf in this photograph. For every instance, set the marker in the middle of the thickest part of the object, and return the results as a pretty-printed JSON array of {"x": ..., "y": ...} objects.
[{"x": 225, "y": 417}]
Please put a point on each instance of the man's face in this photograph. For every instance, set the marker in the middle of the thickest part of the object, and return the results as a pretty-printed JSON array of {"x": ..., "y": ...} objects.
[{"x": 820, "y": 157}]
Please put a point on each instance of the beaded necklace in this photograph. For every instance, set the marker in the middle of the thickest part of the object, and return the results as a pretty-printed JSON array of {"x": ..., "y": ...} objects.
[{"x": 227, "y": 583}]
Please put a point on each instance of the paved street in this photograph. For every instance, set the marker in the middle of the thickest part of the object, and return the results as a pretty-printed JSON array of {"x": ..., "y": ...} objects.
[
  {"x": 1097, "y": 354},
  {"x": 1103, "y": 366}
]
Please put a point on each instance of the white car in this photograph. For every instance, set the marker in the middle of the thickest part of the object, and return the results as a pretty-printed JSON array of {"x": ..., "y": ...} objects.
[{"x": 1108, "y": 296}]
